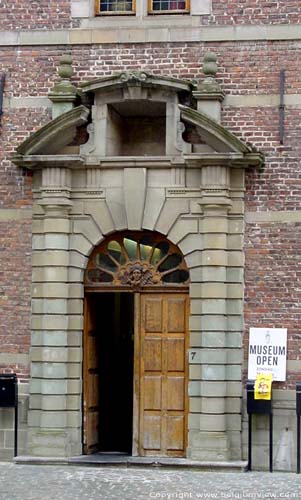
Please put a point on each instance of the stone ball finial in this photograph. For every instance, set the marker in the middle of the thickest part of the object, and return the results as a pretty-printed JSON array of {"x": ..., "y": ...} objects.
[
  {"x": 65, "y": 69},
  {"x": 210, "y": 66},
  {"x": 64, "y": 93}
]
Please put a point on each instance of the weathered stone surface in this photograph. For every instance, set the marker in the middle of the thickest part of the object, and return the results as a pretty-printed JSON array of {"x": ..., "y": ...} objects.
[
  {"x": 214, "y": 258},
  {"x": 169, "y": 213},
  {"x": 181, "y": 228},
  {"x": 49, "y": 274},
  {"x": 213, "y": 339},
  {"x": 153, "y": 205},
  {"x": 215, "y": 241},
  {"x": 134, "y": 198},
  {"x": 214, "y": 423},
  {"x": 213, "y": 372},
  {"x": 80, "y": 244},
  {"x": 49, "y": 370},
  {"x": 51, "y": 290},
  {"x": 214, "y": 389},
  {"x": 194, "y": 259},
  {"x": 115, "y": 202},
  {"x": 190, "y": 243},
  {"x": 233, "y": 372},
  {"x": 212, "y": 405},
  {"x": 50, "y": 258},
  {"x": 101, "y": 215},
  {"x": 89, "y": 229},
  {"x": 208, "y": 356},
  {"x": 49, "y": 306}
]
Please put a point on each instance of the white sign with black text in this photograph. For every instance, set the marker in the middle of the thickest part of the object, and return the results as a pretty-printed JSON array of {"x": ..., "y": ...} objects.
[{"x": 267, "y": 352}]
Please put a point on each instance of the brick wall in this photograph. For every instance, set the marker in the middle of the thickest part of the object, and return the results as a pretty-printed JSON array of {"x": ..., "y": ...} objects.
[
  {"x": 18, "y": 14},
  {"x": 273, "y": 284},
  {"x": 39, "y": 14},
  {"x": 15, "y": 292},
  {"x": 246, "y": 68},
  {"x": 255, "y": 12}
]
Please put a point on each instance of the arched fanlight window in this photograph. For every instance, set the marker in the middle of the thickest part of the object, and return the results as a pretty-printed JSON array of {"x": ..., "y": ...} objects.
[{"x": 136, "y": 259}]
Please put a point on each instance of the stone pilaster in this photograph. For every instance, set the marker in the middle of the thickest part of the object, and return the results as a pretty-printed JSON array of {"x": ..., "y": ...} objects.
[
  {"x": 213, "y": 365},
  {"x": 55, "y": 387}
]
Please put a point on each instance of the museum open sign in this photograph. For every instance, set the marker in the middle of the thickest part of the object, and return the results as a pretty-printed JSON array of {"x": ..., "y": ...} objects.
[{"x": 267, "y": 352}]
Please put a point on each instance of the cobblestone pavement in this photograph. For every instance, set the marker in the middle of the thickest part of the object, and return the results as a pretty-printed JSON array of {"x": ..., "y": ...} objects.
[{"x": 36, "y": 482}]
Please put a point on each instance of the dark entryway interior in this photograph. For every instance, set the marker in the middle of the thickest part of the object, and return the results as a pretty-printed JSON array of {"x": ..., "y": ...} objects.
[{"x": 115, "y": 345}]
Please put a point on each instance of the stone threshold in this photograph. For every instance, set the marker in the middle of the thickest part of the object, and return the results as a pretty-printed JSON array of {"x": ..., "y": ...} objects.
[{"x": 121, "y": 460}]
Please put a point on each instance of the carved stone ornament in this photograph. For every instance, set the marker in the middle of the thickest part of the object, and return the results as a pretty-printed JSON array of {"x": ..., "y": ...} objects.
[
  {"x": 137, "y": 274},
  {"x": 133, "y": 76}
]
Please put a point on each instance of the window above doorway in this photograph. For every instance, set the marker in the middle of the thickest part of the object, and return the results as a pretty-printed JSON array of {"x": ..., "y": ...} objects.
[{"x": 136, "y": 259}]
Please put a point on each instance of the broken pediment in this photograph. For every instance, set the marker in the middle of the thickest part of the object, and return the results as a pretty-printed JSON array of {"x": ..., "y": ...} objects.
[
  {"x": 56, "y": 134},
  {"x": 135, "y": 115}
]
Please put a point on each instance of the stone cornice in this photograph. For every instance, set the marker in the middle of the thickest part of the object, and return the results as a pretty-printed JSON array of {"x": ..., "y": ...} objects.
[
  {"x": 241, "y": 100},
  {"x": 148, "y": 33},
  {"x": 194, "y": 160}
]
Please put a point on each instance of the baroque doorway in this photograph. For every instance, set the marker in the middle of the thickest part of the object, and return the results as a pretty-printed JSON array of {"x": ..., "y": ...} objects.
[{"x": 135, "y": 347}]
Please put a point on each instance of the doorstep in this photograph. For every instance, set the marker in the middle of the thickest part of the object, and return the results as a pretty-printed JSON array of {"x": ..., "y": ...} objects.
[{"x": 123, "y": 460}]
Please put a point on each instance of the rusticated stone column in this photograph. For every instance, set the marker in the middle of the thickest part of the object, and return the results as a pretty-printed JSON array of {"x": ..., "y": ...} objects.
[
  {"x": 55, "y": 387},
  {"x": 216, "y": 369}
]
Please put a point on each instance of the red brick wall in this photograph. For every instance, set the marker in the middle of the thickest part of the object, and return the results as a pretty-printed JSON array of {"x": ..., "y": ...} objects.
[
  {"x": 255, "y": 12},
  {"x": 35, "y": 14},
  {"x": 271, "y": 299},
  {"x": 273, "y": 283},
  {"x": 41, "y": 14},
  {"x": 15, "y": 291},
  {"x": 15, "y": 238},
  {"x": 244, "y": 68}
]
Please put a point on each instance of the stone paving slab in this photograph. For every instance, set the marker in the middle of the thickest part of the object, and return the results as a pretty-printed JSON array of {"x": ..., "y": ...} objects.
[{"x": 52, "y": 482}]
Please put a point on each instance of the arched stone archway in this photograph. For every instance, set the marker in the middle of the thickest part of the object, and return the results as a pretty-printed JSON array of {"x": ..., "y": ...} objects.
[{"x": 136, "y": 346}]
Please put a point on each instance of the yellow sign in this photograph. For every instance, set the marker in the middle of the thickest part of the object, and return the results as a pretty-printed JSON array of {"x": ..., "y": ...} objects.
[{"x": 263, "y": 386}]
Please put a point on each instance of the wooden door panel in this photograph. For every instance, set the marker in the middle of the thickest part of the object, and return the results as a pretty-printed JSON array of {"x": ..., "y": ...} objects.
[
  {"x": 176, "y": 315},
  {"x": 152, "y": 432},
  {"x": 163, "y": 372},
  {"x": 153, "y": 393},
  {"x": 175, "y": 352},
  {"x": 91, "y": 379},
  {"x": 175, "y": 393},
  {"x": 153, "y": 315},
  {"x": 175, "y": 432},
  {"x": 92, "y": 430},
  {"x": 93, "y": 390},
  {"x": 152, "y": 354},
  {"x": 92, "y": 352}
]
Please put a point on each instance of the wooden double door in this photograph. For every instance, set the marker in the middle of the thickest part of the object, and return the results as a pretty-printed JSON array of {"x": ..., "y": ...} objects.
[{"x": 135, "y": 373}]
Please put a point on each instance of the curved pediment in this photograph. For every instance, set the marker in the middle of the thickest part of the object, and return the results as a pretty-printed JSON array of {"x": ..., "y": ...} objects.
[
  {"x": 56, "y": 134},
  {"x": 212, "y": 133},
  {"x": 137, "y": 78}
]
